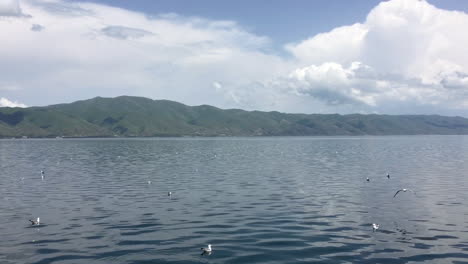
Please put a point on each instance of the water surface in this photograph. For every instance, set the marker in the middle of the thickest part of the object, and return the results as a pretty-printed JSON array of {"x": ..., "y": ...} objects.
[{"x": 256, "y": 200}]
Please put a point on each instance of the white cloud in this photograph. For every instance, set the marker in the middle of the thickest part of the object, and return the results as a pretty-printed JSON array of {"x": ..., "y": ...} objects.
[
  {"x": 415, "y": 50},
  {"x": 341, "y": 45},
  {"x": 7, "y": 103},
  {"x": 10, "y": 8},
  {"x": 406, "y": 57},
  {"x": 334, "y": 84},
  {"x": 84, "y": 50}
]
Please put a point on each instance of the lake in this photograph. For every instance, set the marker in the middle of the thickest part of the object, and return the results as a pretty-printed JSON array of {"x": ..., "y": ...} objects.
[{"x": 255, "y": 200}]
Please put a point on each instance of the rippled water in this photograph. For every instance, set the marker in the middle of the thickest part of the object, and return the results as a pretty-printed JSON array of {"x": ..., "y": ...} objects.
[{"x": 256, "y": 200}]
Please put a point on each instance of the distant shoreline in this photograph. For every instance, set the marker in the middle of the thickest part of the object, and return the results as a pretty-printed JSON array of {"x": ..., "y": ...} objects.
[
  {"x": 227, "y": 137},
  {"x": 128, "y": 117}
]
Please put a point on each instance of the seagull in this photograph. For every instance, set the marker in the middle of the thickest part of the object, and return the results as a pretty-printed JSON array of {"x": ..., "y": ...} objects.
[
  {"x": 388, "y": 175},
  {"x": 206, "y": 250},
  {"x": 375, "y": 227},
  {"x": 37, "y": 222},
  {"x": 42, "y": 174},
  {"x": 367, "y": 179},
  {"x": 169, "y": 193},
  {"x": 402, "y": 190}
]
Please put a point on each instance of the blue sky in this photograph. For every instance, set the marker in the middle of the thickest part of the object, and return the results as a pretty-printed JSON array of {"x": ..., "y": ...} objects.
[
  {"x": 283, "y": 21},
  {"x": 389, "y": 57},
  {"x": 274, "y": 19}
]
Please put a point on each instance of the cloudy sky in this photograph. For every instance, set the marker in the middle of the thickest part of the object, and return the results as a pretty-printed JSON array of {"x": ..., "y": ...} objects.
[{"x": 391, "y": 57}]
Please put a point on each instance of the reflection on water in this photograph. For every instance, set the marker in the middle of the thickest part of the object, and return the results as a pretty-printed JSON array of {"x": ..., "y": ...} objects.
[{"x": 255, "y": 200}]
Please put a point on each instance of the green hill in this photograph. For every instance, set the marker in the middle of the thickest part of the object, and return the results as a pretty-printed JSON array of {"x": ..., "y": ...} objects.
[{"x": 128, "y": 116}]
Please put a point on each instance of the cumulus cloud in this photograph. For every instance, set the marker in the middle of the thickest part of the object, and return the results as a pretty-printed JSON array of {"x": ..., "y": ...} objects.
[
  {"x": 414, "y": 52},
  {"x": 7, "y": 103},
  {"x": 337, "y": 85},
  {"x": 341, "y": 45}
]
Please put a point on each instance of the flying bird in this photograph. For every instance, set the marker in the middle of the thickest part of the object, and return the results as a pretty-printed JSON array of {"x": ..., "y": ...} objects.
[
  {"x": 402, "y": 190},
  {"x": 37, "y": 222},
  {"x": 375, "y": 227},
  {"x": 207, "y": 250}
]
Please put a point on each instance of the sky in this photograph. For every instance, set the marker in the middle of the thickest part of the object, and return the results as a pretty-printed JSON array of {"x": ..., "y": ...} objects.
[{"x": 368, "y": 56}]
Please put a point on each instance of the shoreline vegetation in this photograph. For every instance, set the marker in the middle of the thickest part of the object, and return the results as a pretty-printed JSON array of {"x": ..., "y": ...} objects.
[{"x": 128, "y": 116}]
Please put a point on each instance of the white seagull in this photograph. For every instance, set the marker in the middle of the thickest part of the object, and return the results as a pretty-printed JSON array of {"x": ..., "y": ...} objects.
[
  {"x": 169, "y": 193},
  {"x": 402, "y": 190},
  {"x": 375, "y": 227},
  {"x": 37, "y": 222},
  {"x": 206, "y": 250}
]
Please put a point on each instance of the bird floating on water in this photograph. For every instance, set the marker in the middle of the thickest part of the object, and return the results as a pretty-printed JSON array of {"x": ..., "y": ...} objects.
[
  {"x": 169, "y": 193},
  {"x": 207, "y": 250},
  {"x": 388, "y": 175},
  {"x": 375, "y": 227},
  {"x": 37, "y": 222},
  {"x": 42, "y": 174},
  {"x": 402, "y": 190},
  {"x": 367, "y": 179},
  {"x": 149, "y": 182}
]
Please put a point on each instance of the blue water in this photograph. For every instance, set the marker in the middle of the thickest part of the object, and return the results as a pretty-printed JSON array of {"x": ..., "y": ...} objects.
[{"x": 255, "y": 200}]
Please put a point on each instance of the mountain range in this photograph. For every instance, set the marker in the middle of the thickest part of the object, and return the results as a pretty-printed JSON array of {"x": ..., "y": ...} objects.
[{"x": 128, "y": 116}]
